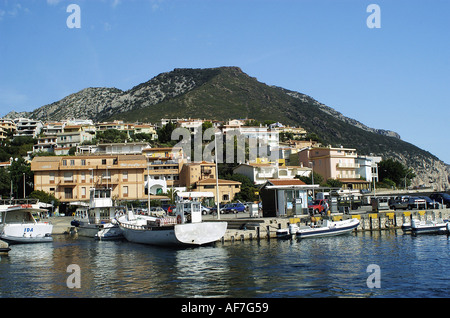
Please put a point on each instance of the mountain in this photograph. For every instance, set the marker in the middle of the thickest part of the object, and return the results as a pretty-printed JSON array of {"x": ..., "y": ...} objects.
[{"x": 227, "y": 92}]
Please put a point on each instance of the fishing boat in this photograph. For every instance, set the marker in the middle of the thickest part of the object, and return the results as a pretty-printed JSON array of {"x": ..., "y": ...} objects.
[
  {"x": 328, "y": 228},
  {"x": 21, "y": 223},
  {"x": 430, "y": 226},
  {"x": 96, "y": 220},
  {"x": 186, "y": 228}
]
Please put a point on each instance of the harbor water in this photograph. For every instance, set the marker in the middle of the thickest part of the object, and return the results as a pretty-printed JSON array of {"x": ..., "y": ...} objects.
[{"x": 408, "y": 266}]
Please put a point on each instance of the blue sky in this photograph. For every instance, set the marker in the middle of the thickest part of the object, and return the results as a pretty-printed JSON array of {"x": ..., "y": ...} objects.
[{"x": 395, "y": 77}]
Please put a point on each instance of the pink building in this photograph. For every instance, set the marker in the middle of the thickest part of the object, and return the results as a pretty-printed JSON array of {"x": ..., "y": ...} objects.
[{"x": 336, "y": 163}]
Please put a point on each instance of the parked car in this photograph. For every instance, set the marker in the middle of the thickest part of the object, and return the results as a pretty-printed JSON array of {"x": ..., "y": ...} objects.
[
  {"x": 205, "y": 210},
  {"x": 406, "y": 202},
  {"x": 233, "y": 208},
  {"x": 157, "y": 211},
  {"x": 442, "y": 197},
  {"x": 168, "y": 207},
  {"x": 316, "y": 206},
  {"x": 431, "y": 204},
  {"x": 214, "y": 208}
]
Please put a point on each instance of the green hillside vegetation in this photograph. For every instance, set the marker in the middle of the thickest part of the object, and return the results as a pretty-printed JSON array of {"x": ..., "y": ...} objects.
[{"x": 227, "y": 93}]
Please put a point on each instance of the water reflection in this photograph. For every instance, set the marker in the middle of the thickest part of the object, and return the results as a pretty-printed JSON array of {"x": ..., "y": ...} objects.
[{"x": 410, "y": 266}]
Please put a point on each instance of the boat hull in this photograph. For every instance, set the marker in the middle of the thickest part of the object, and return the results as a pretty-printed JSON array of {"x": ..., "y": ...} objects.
[
  {"x": 430, "y": 227},
  {"x": 345, "y": 228},
  {"x": 189, "y": 234},
  {"x": 106, "y": 231},
  {"x": 27, "y": 233}
]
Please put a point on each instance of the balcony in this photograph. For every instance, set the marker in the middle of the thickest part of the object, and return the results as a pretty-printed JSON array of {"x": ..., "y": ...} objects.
[{"x": 347, "y": 165}]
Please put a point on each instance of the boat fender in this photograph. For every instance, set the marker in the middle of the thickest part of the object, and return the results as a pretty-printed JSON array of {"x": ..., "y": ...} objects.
[{"x": 178, "y": 219}]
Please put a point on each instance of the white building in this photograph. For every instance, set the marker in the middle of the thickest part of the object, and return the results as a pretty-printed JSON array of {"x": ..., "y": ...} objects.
[
  {"x": 27, "y": 127},
  {"x": 368, "y": 167},
  {"x": 260, "y": 173}
]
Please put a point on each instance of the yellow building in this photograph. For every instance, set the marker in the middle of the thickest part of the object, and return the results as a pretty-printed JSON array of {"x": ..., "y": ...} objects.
[
  {"x": 164, "y": 164},
  {"x": 227, "y": 188},
  {"x": 69, "y": 178},
  {"x": 196, "y": 171}
]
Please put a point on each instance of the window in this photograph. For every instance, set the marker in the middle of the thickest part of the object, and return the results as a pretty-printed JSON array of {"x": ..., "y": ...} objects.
[
  {"x": 52, "y": 177},
  {"x": 64, "y": 162},
  {"x": 83, "y": 192},
  {"x": 83, "y": 162},
  {"x": 225, "y": 197},
  {"x": 68, "y": 176},
  {"x": 103, "y": 161},
  {"x": 125, "y": 175},
  {"x": 72, "y": 162},
  {"x": 68, "y": 193},
  {"x": 83, "y": 176},
  {"x": 125, "y": 191}
]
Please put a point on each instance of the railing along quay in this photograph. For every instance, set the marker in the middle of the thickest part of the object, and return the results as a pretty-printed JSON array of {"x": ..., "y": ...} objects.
[{"x": 265, "y": 228}]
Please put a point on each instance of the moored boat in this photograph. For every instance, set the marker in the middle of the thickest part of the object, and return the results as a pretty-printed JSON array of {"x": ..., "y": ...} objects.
[
  {"x": 328, "y": 228},
  {"x": 184, "y": 229},
  {"x": 287, "y": 233},
  {"x": 430, "y": 226},
  {"x": 96, "y": 220},
  {"x": 21, "y": 223}
]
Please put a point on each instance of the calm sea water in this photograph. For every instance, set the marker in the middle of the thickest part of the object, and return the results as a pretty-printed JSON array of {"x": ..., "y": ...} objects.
[{"x": 323, "y": 267}]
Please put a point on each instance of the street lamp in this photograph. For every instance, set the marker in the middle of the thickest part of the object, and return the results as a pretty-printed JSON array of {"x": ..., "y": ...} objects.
[
  {"x": 24, "y": 185},
  {"x": 312, "y": 178},
  {"x": 217, "y": 175},
  {"x": 406, "y": 176}
]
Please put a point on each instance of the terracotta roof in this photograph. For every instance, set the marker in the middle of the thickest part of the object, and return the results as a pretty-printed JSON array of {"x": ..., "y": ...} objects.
[{"x": 281, "y": 182}]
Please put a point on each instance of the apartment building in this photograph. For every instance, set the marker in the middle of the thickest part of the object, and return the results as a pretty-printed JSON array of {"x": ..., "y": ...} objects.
[
  {"x": 164, "y": 167},
  {"x": 260, "y": 173},
  {"x": 6, "y": 126},
  {"x": 73, "y": 136},
  {"x": 193, "y": 172},
  {"x": 227, "y": 188},
  {"x": 27, "y": 127},
  {"x": 69, "y": 178},
  {"x": 336, "y": 163}
]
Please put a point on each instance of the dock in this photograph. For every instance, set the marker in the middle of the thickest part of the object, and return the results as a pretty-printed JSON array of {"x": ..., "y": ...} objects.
[{"x": 242, "y": 228}]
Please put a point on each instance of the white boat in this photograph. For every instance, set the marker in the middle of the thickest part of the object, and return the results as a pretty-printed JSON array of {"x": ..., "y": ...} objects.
[
  {"x": 184, "y": 229},
  {"x": 328, "y": 228},
  {"x": 287, "y": 233},
  {"x": 430, "y": 227},
  {"x": 96, "y": 220},
  {"x": 21, "y": 223}
]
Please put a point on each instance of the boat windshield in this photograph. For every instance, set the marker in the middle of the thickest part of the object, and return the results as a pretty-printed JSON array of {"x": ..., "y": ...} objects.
[{"x": 19, "y": 217}]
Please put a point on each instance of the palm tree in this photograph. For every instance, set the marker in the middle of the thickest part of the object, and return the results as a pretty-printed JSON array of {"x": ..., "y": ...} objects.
[{"x": 171, "y": 194}]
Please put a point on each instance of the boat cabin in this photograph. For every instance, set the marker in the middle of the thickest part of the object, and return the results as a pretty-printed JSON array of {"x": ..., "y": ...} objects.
[
  {"x": 101, "y": 208},
  {"x": 189, "y": 207}
]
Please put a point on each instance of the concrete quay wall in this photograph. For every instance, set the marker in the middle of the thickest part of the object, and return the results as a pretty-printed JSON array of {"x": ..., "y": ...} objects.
[
  {"x": 240, "y": 229},
  {"x": 265, "y": 228}
]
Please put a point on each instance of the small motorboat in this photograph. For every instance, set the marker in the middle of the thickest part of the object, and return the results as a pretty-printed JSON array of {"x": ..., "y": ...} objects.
[
  {"x": 430, "y": 227},
  {"x": 287, "y": 233},
  {"x": 328, "y": 228}
]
